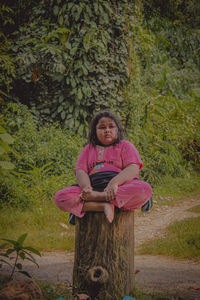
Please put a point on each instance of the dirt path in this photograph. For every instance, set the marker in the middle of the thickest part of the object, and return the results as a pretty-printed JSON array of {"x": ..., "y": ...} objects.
[
  {"x": 156, "y": 273},
  {"x": 153, "y": 224}
]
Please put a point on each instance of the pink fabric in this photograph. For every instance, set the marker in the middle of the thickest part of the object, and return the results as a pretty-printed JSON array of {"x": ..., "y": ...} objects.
[
  {"x": 130, "y": 195},
  {"x": 114, "y": 158}
]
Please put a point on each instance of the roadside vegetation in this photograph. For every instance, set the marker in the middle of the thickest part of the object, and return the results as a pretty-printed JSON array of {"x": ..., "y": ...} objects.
[
  {"x": 181, "y": 240},
  {"x": 51, "y": 291}
]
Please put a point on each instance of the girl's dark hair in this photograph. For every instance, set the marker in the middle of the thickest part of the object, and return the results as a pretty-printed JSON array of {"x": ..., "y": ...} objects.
[{"x": 92, "y": 134}]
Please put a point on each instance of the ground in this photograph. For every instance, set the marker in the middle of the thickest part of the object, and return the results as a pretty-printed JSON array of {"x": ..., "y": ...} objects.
[
  {"x": 158, "y": 273},
  {"x": 153, "y": 273}
]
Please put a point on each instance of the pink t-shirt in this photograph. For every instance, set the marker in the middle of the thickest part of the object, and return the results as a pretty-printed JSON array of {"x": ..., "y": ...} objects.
[{"x": 113, "y": 158}]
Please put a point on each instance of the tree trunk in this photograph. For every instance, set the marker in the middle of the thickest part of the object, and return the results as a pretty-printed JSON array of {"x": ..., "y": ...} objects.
[{"x": 104, "y": 256}]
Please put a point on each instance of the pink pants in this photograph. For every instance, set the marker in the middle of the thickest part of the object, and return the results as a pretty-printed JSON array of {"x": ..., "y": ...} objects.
[{"x": 130, "y": 196}]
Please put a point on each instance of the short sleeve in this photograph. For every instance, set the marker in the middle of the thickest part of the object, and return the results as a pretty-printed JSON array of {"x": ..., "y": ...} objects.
[
  {"x": 130, "y": 155},
  {"x": 82, "y": 161}
]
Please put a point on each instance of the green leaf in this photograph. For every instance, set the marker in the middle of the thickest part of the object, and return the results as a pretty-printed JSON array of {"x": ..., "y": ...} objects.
[
  {"x": 77, "y": 16},
  {"x": 25, "y": 273},
  {"x": 70, "y": 5},
  {"x": 73, "y": 51},
  {"x": 71, "y": 108},
  {"x": 22, "y": 238},
  {"x": 46, "y": 111},
  {"x": 61, "y": 98},
  {"x": 60, "y": 20},
  {"x": 32, "y": 259},
  {"x": 68, "y": 45},
  {"x": 96, "y": 9},
  {"x": 73, "y": 82},
  {"x": 76, "y": 112},
  {"x": 56, "y": 10},
  {"x": 9, "y": 251},
  {"x": 69, "y": 122},
  {"x": 22, "y": 255},
  {"x": 2, "y": 130},
  {"x": 33, "y": 250},
  {"x": 85, "y": 71},
  {"x": 196, "y": 92},
  {"x": 7, "y": 138},
  {"x": 63, "y": 114},
  {"x": 60, "y": 108},
  {"x": 80, "y": 95},
  {"x": 19, "y": 266},
  {"x": 105, "y": 79},
  {"x": 6, "y": 165}
]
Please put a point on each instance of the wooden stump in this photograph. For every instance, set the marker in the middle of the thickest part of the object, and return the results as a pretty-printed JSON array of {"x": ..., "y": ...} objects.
[{"x": 104, "y": 256}]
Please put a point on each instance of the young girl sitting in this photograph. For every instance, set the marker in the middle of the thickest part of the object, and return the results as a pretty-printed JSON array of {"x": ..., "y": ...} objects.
[{"x": 107, "y": 173}]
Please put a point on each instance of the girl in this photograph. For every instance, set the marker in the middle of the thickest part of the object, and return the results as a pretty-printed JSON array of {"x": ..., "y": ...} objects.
[{"x": 107, "y": 173}]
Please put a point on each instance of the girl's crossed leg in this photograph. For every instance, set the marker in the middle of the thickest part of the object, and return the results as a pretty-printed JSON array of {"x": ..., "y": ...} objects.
[{"x": 130, "y": 196}]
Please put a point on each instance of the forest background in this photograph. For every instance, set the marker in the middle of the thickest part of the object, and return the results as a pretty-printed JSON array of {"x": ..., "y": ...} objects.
[{"x": 63, "y": 61}]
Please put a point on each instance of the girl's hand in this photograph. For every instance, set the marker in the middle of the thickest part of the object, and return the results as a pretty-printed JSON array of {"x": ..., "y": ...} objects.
[
  {"x": 111, "y": 191},
  {"x": 85, "y": 191}
]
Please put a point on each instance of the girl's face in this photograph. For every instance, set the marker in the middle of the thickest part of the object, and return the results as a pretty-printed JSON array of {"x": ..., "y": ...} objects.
[{"x": 107, "y": 131}]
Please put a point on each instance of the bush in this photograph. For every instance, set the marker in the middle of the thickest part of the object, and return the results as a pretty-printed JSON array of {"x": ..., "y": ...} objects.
[
  {"x": 44, "y": 158},
  {"x": 47, "y": 144}
]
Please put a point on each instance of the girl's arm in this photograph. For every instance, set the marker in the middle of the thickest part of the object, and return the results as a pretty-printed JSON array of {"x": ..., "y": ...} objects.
[
  {"x": 128, "y": 173},
  {"x": 83, "y": 179}
]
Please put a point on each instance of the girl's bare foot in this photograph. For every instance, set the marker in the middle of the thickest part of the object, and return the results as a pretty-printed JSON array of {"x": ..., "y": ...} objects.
[
  {"x": 93, "y": 196},
  {"x": 109, "y": 211},
  {"x": 107, "y": 208}
]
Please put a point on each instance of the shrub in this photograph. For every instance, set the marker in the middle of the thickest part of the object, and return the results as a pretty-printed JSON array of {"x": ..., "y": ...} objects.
[{"x": 44, "y": 159}]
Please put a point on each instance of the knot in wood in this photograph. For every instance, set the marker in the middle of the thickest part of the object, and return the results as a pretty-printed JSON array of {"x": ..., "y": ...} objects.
[{"x": 97, "y": 275}]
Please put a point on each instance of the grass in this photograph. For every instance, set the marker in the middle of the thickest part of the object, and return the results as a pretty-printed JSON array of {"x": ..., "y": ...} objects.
[
  {"x": 182, "y": 240},
  {"x": 143, "y": 295},
  {"x": 195, "y": 209},
  {"x": 177, "y": 189},
  {"x": 42, "y": 223},
  {"x": 52, "y": 292}
]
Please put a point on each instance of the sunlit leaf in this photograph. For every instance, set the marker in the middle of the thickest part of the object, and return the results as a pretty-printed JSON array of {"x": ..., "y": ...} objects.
[
  {"x": 7, "y": 138},
  {"x": 6, "y": 165}
]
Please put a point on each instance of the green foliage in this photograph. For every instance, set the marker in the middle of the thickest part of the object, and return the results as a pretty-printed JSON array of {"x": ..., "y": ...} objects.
[
  {"x": 179, "y": 188},
  {"x": 44, "y": 144},
  {"x": 5, "y": 140},
  {"x": 161, "y": 111},
  {"x": 178, "y": 11},
  {"x": 195, "y": 209},
  {"x": 76, "y": 58},
  {"x": 43, "y": 221},
  {"x": 73, "y": 57},
  {"x": 20, "y": 251},
  {"x": 175, "y": 41},
  {"x": 13, "y": 192},
  {"x": 7, "y": 68},
  {"x": 182, "y": 240},
  {"x": 43, "y": 164},
  {"x": 55, "y": 291}
]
